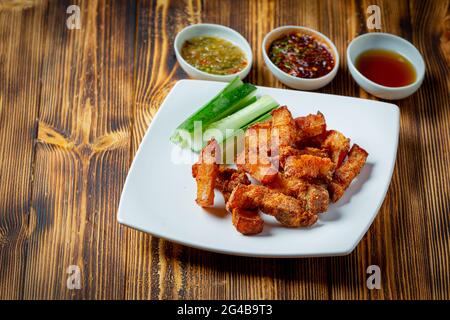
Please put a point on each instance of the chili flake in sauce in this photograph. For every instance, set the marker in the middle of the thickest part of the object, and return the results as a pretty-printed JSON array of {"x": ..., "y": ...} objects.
[
  {"x": 301, "y": 56},
  {"x": 214, "y": 55}
]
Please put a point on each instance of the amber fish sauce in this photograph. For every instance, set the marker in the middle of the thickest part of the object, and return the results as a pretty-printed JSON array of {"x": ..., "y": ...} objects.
[{"x": 385, "y": 67}]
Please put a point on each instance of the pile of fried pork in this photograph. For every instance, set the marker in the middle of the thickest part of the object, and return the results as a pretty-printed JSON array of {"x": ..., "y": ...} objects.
[{"x": 299, "y": 164}]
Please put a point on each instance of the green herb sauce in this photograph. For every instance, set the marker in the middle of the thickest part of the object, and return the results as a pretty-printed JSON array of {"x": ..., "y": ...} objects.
[{"x": 214, "y": 55}]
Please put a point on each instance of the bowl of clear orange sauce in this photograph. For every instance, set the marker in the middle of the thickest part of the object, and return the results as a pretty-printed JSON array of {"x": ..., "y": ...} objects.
[{"x": 385, "y": 65}]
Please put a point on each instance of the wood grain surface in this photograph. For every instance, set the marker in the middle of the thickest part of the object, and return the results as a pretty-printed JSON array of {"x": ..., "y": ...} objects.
[{"x": 75, "y": 104}]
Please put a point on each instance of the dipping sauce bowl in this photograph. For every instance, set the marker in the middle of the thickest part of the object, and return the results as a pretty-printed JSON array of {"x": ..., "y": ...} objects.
[
  {"x": 294, "y": 81},
  {"x": 212, "y": 30},
  {"x": 390, "y": 42}
]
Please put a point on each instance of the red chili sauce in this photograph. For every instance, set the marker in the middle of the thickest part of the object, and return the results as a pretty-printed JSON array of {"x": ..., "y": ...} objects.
[{"x": 301, "y": 56}]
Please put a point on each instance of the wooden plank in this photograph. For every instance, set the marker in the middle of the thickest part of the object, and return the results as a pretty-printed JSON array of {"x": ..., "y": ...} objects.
[
  {"x": 428, "y": 115},
  {"x": 21, "y": 27},
  {"x": 396, "y": 241},
  {"x": 385, "y": 248},
  {"x": 82, "y": 152},
  {"x": 376, "y": 248},
  {"x": 151, "y": 273}
]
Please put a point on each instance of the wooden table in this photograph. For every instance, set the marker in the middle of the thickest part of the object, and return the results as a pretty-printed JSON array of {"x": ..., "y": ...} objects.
[{"x": 75, "y": 104}]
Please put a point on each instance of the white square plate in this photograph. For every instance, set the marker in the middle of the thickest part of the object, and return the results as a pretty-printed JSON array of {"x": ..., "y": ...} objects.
[{"x": 158, "y": 196}]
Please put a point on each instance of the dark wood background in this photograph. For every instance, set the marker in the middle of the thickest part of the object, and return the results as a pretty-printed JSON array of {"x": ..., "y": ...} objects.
[{"x": 74, "y": 105}]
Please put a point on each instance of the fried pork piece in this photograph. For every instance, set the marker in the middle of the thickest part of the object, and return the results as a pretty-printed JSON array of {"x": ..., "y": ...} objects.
[
  {"x": 337, "y": 145},
  {"x": 205, "y": 173},
  {"x": 229, "y": 178},
  {"x": 317, "y": 198},
  {"x": 267, "y": 125},
  {"x": 345, "y": 174},
  {"x": 313, "y": 142},
  {"x": 284, "y": 153},
  {"x": 289, "y": 211},
  {"x": 284, "y": 130},
  {"x": 250, "y": 162},
  {"x": 287, "y": 151},
  {"x": 322, "y": 153},
  {"x": 309, "y": 167},
  {"x": 258, "y": 137},
  {"x": 247, "y": 221},
  {"x": 254, "y": 158},
  {"x": 311, "y": 125},
  {"x": 314, "y": 195}
]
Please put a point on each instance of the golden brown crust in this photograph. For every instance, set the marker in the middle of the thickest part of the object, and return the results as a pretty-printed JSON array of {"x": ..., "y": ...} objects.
[
  {"x": 258, "y": 137},
  {"x": 247, "y": 222},
  {"x": 309, "y": 167},
  {"x": 287, "y": 210},
  {"x": 306, "y": 219},
  {"x": 229, "y": 178},
  {"x": 205, "y": 172},
  {"x": 254, "y": 158},
  {"x": 300, "y": 164},
  {"x": 287, "y": 151},
  {"x": 284, "y": 153},
  {"x": 313, "y": 142},
  {"x": 345, "y": 174},
  {"x": 263, "y": 172},
  {"x": 336, "y": 191},
  {"x": 284, "y": 130},
  {"x": 311, "y": 125},
  {"x": 242, "y": 198},
  {"x": 262, "y": 125},
  {"x": 337, "y": 145},
  {"x": 322, "y": 153},
  {"x": 317, "y": 198},
  {"x": 314, "y": 195}
]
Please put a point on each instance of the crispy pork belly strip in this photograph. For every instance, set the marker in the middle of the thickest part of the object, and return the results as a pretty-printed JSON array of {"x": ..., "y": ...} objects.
[
  {"x": 288, "y": 186},
  {"x": 314, "y": 195},
  {"x": 229, "y": 178},
  {"x": 287, "y": 210},
  {"x": 258, "y": 137},
  {"x": 286, "y": 152},
  {"x": 261, "y": 173},
  {"x": 337, "y": 145},
  {"x": 266, "y": 125},
  {"x": 345, "y": 174},
  {"x": 313, "y": 142},
  {"x": 205, "y": 173},
  {"x": 311, "y": 125},
  {"x": 317, "y": 198},
  {"x": 284, "y": 130},
  {"x": 247, "y": 221},
  {"x": 309, "y": 167},
  {"x": 254, "y": 158},
  {"x": 322, "y": 153}
]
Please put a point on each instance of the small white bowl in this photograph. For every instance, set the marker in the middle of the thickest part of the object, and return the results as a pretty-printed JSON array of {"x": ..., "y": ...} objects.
[
  {"x": 213, "y": 30},
  {"x": 296, "y": 82},
  {"x": 386, "y": 41}
]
